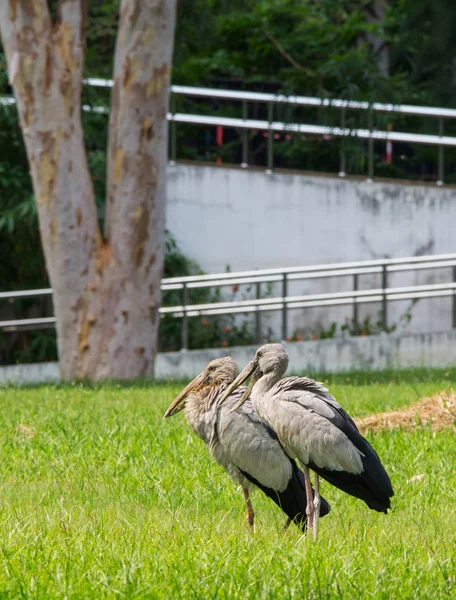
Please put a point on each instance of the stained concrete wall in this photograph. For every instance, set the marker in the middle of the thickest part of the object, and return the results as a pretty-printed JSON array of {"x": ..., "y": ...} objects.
[
  {"x": 247, "y": 219},
  {"x": 372, "y": 352}
]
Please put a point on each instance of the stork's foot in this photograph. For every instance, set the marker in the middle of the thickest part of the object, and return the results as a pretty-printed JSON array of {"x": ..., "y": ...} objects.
[
  {"x": 316, "y": 507},
  {"x": 310, "y": 509},
  {"x": 315, "y": 518},
  {"x": 250, "y": 515},
  {"x": 310, "y": 512}
]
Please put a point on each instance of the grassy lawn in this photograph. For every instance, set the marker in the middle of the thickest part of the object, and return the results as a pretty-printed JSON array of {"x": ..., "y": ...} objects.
[{"x": 101, "y": 498}]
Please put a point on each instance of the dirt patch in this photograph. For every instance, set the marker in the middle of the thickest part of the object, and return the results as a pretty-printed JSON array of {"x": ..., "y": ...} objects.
[
  {"x": 439, "y": 412},
  {"x": 26, "y": 430}
]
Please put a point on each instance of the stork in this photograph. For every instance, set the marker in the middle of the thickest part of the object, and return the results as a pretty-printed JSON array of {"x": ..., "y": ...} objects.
[
  {"x": 313, "y": 428},
  {"x": 239, "y": 442}
]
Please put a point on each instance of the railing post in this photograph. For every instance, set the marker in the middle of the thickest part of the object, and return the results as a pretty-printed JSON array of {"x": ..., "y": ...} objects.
[
  {"x": 184, "y": 342},
  {"x": 355, "y": 305},
  {"x": 384, "y": 299},
  {"x": 245, "y": 138},
  {"x": 454, "y": 299},
  {"x": 370, "y": 155},
  {"x": 343, "y": 167},
  {"x": 173, "y": 129},
  {"x": 441, "y": 158},
  {"x": 270, "y": 139},
  {"x": 257, "y": 315},
  {"x": 284, "y": 307}
]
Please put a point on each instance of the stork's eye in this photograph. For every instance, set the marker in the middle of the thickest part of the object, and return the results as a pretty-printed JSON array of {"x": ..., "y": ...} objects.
[{"x": 211, "y": 368}]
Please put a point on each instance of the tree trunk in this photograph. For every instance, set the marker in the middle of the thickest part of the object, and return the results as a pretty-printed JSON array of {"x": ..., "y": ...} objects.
[
  {"x": 375, "y": 14},
  {"x": 106, "y": 290}
]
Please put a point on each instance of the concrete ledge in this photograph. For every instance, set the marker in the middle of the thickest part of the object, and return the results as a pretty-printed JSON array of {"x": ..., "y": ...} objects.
[
  {"x": 333, "y": 355},
  {"x": 30, "y": 373},
  {"x": 364, "y": 353}
]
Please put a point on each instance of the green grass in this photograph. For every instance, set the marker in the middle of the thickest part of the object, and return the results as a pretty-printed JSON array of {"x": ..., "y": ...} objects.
[{"x": 108, "y": 500}]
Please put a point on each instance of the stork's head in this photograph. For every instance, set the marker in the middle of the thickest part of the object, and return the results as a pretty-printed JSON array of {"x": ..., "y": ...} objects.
[
  {"x": 270, "y": 359},
  {"x": 219, "y": 372}
]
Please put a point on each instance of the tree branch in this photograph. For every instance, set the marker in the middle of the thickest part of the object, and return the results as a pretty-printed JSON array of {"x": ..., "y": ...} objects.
[
  {"x": 282, "y": 50},
  {"x": 278, "y": 45}
]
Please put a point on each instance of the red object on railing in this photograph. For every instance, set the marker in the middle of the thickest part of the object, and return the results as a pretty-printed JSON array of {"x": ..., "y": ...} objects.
[
  {"x": 389, "y": 147},
  {"x": 219, "y": 141}
]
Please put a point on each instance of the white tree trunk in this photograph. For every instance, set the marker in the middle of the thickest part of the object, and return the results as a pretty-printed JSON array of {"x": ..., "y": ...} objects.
[
  {"x": 106, "y": 290},
  {"x": 124, "y": 297}
]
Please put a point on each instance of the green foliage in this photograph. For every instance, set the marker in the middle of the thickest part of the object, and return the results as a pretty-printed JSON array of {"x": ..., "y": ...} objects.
[
  {"x": 292, "y": 46},
  {"x": 324, "y": 49},
  {"x": 101, "y": 498},
  {"x": 41, "y": 345},
  {"x": 367, "y": 326},
  {"x": 203, "y": 332}
]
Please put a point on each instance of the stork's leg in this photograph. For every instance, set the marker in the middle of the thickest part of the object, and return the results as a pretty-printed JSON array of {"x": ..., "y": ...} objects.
[
  {"x": 317, "y": 504},
  {"x": 310, "y": 505},
  {"x": 250, "y": 516}
]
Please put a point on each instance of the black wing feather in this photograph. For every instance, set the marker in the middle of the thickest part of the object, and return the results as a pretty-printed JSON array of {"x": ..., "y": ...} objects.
[{"x": 293, "y": 500}]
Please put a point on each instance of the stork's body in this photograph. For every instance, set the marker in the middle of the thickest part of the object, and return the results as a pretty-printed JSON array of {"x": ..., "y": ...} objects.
[
  {"x": 314, "y": 429},
  {"x": 241, "y": 443}
]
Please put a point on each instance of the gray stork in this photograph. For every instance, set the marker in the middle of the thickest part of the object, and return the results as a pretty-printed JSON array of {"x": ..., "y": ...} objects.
[
  {"x": 314, "y": 429},
  {"x": 239, "y": 442}
]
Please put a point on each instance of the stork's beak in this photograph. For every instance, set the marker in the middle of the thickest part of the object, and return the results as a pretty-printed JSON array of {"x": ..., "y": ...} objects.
[
  {"x": 245, "y": 374},
  {"x": 178, "y": 404}
]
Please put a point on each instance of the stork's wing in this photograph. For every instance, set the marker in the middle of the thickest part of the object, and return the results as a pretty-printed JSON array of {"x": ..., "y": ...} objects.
[
  {"x": 255, "y": 450},
  {"x": 314, "y": 396},
  {"x": 247, "y": 409},
  {"x": 373, "y": 485},
  {"x": 250, "y": 446}
]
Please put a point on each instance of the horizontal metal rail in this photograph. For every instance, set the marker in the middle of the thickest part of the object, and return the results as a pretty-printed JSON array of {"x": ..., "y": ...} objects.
[
  {"x": 185, "y": 90},
  {"x": 317, "y": 271},
  {"x": 39, "y": 323},
  {"x": 270, "y": 125},
  {"x": 318, "y": 130},
  {"x": 365, "y": 267},
  {"x": 302, "y": 128},
  {"x": 313, "y": 299},
  {"x": 410, "y": 263},
  {"x": 274, "y": 304},
  {"x": 26, "y": 293},
  {"x": 283, "y": 302}
]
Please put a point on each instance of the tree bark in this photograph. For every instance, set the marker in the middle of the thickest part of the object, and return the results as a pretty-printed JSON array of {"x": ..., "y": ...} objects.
[{"x": 106, "y": 289}]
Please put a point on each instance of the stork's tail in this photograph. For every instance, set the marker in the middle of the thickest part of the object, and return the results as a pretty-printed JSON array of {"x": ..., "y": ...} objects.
[
  {"x": 373, "y": 485},
  {"x": 293, "y": 499}
]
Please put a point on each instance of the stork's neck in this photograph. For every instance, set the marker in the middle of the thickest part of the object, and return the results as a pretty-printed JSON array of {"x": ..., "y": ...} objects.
[
  {"x": 265, "y": 383},
  {"x": 201, "y": 411}
]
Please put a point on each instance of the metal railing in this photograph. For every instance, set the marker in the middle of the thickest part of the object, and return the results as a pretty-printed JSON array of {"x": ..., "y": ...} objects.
[
  {"x": 284, "y": 303},
  {"x": 270, "y": 125}
]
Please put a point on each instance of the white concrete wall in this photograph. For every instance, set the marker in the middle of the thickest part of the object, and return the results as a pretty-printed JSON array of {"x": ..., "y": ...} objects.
[
  {"x": 246, "y": 219},
  {"x": 373, "y": 352}
]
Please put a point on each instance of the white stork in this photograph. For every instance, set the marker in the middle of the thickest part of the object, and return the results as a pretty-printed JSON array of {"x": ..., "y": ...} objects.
[
  {"x": 239, "y": 442},
  {"x": 314, "y": 429}
]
